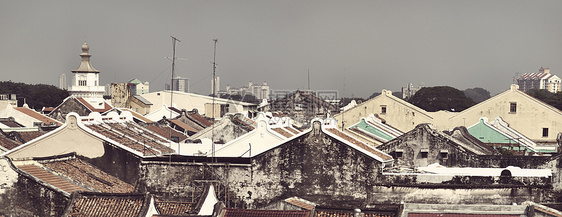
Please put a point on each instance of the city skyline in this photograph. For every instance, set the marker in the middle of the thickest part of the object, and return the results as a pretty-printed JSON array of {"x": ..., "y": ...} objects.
[{"x": 355, "y": 47}]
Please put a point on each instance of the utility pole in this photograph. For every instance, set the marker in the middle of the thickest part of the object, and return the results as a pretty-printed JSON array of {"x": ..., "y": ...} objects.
[
  {"x": 174, "y": 40},
  {"x": 214, "y": 92}
]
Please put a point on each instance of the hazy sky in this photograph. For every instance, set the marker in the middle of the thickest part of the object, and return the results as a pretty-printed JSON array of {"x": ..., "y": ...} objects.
[{"x": 371, "y": 45}]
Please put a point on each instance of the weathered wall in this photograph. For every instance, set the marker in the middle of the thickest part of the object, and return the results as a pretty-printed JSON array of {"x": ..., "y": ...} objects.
[
  {"x": 117, "y": 162},
  {"x": 120, "y": 93},
  {"x": 23, "y": 195},
  {"x": 313, "y": 167},
  {"x": 69, "y": 105}
]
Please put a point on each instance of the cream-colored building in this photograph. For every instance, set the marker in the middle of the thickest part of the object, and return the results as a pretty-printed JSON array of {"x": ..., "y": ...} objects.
[
  {"x": 85, "y": 80},
  {"x": 533, "y": 118},
  {"x": 542, "y": 80},
  {"x": 190, "y": 101}
]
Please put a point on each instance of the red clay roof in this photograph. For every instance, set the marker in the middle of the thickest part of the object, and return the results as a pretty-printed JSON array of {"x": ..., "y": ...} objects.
[
  {"x": 107, "y": 205},
  {"x": 89, "y": 175},
  {"x": 200, "y": 120},
  {"x": 264, "y": 213},
  {"x": 8, "y": 143},
  {"x": 165, "y": 131},
  {"x": 137, "y": 115},
  {"x": 174, "y": 207},
  {"x": 37, "y": 116},
  {"x": 51, "y": 179},
  {"x": 106, "y": 107},
  {"x": 300, "y": 203},
  {"x": 30, "y": 135},
  {"x": 133, "y": 136},
  {"x": 341, "y": 213},
  {"x": 282, "y": 132},
  {"x": 360, "y": 144},
  {"x": 184, "y": 126}
]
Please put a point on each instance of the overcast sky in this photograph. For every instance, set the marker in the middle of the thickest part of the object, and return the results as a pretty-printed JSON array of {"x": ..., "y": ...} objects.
[{"x": 366, "y": 45}]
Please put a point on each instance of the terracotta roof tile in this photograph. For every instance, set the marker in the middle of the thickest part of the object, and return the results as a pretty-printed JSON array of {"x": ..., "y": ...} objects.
[
  {"x": 8, "y": 143},
  {"x": 174, "y": 207},
  {"x": 264, "y": 213},
  {"x": 282, "y": 132},
  {"x": 30, "y": 135},
  {"x": 36, "y": 115},
  {"x": 360, "y": 144},
  {"x": 200, "y": 120},
  {"x": 51, "y": 179},
  {"x": 106, "y": 107},
  {"x": 89, "y": 175},
  {"x": 348, "y": 213},
  {"x": 133, "y": 136},
  {"x": 107, "y": 205},
  {"x": 291, "y": 130},
  {"x": 137, "y": 115},
  {"x": 165, "y": 131},
  {"x": 11, "y": 123},
  {"x": 300, "y": 203},
  {"x": 184, "y": 126}
]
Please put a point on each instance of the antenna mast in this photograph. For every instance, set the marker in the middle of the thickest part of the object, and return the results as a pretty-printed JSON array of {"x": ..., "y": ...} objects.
[
  {"x": 213, "y": 92},
  {"x": 174, "y": 40}
]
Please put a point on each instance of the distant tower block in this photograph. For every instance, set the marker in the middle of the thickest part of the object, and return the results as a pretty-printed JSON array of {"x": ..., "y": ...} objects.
[{"x": 62, "y": 82}]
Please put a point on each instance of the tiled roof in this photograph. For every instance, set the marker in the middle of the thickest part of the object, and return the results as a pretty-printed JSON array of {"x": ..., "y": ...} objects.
[
  {"x": 8, "y": 143},
  {"x": 174, "y": 207},
  {"x": 264, "y": 213},
  {"x": 133, "y": 136},
  {"x": 291, "y": 130},
  {"x": 137, "y": 115},
  {"x": 37, "y": 116},
  {"x": 165, "y": 131},
  {"x": 282, "y": 132},
  {"x": 9, "y": 123},
  {"x": 360, "y": 144},
  {"x": 106, "y": 106},
  {"x": 184, "y": 126},
  {"x": 199, "y": 119},
  {"x": 89, "y": 175},
  {"x": 107, "y": 205},
  {"x": 341, "y": 213},
  {"x": 51, "y": 179},
  {"x": 459, "y": 215},
  {"x": 30, "y": 135},
  {"x": 300, "y": 203}
]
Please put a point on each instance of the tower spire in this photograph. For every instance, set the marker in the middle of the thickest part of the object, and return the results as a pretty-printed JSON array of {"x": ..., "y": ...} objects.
[{"x": 85, "y": 65}]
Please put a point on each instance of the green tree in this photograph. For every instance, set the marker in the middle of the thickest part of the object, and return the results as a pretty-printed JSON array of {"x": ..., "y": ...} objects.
[
  {"x": 553, "y": 99},
  {"x": 439, "y": 98},
  {"x": 477, "y": 94},
  {"x": 36, "y": 96}
]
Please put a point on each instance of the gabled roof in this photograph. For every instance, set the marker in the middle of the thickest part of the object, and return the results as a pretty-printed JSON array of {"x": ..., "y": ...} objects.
[
  {"x": 46, "y": 120},
  {"x": 85, "y": 204},
  {"x": 106, "y": 106},
  {"x": 164, "y": 111},
  {"x": 117, "y": 130},
  {"x": 184, "y": 126},
  {"x": 70, "y": 174},
  {"x": 490, "y": 133},
  {"x": 262, "y": 138},
  {"x": 136, "y": 115},
  {"x": 166, "y": 132},
  {"x": 374, "y": 128},
  {"x": 174, "y": 207}
]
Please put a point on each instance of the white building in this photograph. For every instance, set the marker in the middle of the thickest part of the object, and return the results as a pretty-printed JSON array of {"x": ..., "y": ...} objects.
[
  {"x": 539, "y": 80},
  {"x": 85, "y": 81},
  {"x": 259, "y": 91},
  {"x": 140, "y": 87}
]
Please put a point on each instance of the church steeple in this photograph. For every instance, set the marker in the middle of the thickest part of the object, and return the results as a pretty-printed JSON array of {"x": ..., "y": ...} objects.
[{"x": 85, "y": 65}]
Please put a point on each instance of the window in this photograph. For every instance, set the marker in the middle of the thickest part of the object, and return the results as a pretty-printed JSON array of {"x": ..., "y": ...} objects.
[
  {"x": 444, "y": 153},
  {"x": 383, "y": 109},
  {"x": 424, "y": 152},
  {"x": 544, "y": 132},
  {"x": 398, "y": 153},
  {"x": 512, "y": 107},
  {"x": 82, "y": 83}
]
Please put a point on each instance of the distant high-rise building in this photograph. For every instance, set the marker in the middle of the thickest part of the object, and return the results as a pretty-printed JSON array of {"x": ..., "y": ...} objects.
[
  {"x": 85, "y": 82},
  {"x": 62, "y": 82},
  {"x": 179, "y": 84},
  {"x": 140, "y": 87},
  {"x": 410, "y": 90},
  {"x": 259, "y": 91},
  {"x": 542, "y": 80}
]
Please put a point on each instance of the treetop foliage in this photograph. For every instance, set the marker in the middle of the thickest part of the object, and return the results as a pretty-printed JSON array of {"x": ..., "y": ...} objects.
[
  {"x": 36, "y": 96},
  {"x": 553, "y": 99},
  {"x": 440, "y": 98}
]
